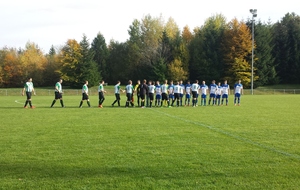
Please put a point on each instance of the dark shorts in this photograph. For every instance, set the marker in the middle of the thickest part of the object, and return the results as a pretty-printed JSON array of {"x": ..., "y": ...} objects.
[
  {"x": 218, "y": 96},
  {"x": 57, "y": 95},
  {"x": 151, "y": 96},
  {"x": 101, "y": 95},
  {"x": 158, "y": 96},
  {"x": 117, "y": 96},
  {"x": 129, "y": 97},
  {"x": 164, "y": 96},
  {"x": 142, "y": 96},
  {"x": 225, "y": 96},
  {"x": 176, "y": 96},
  {"x": 195, "y": 94},
  {"x": 171, "y": 96},
  {"x": 187, "y": 96},
  {"x": 181, "y": 95},
  {"x": 212, "y": 95},
  {"x": 28, "y": 95},
  {"x": 203, "y": 96},
  {"x": 237, "y": 95},
  {"x": 85, "y": 96}
]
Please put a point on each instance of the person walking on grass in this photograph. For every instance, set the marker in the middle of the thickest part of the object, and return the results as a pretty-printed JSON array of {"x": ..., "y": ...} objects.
[
  {"x": 29, "y": 89},
  {"x": 58, "y": 94},
  {"x": 85, "y": 94},
  {"x": 117, "y": 93},
  {"x": 101, "y": 92}
]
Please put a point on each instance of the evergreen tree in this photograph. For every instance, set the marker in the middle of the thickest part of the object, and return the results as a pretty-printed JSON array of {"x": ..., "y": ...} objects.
[
  {"x": 100, "y": 51},
  {"x": 87, "y": 66}
]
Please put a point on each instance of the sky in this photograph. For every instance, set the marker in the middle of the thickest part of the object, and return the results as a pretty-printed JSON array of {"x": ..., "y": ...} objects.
[{"x": 53, "y": 22}]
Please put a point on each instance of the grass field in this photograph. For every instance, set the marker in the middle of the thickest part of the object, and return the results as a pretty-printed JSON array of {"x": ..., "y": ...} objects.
[{"x": 252, "y": 146}]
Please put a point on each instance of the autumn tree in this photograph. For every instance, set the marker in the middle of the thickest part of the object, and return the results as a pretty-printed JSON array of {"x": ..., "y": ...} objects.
[
  {"x": 51, "y": 73},
  {"x": 33, "y": 63},
  {"x": 70, "y": 57},
  {"x": 236, "y": 48}
]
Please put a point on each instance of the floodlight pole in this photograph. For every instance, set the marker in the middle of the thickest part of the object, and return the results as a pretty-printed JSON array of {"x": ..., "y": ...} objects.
[{"x": 254, "y": 14}]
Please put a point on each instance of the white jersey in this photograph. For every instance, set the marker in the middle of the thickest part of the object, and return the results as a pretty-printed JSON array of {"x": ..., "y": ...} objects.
[
  {"x": 213, "y": 88},
  {"x": 100, "y": 88},
  {"x": 151, "y": 89},
  {"x": 158, "y": 89},
  {"x": 28, "y": 86},
  {"x": 203, "y": 89},
  {"x": 164, "y": 88},
  {"x": 85, "y": 89},
  {"x": 117, "y": 89},
  {"x": 225, "y": 89},
  {"x": 188, "y": 89},
  {"x": 177, "y": 89},
  {"x": 129, "y": 89},
  {"x": 181, "y": 88},
  {"x": 195, "y": 87},
  {"x": 219, "y": 90},
  {"x": 238, "y": 88}
]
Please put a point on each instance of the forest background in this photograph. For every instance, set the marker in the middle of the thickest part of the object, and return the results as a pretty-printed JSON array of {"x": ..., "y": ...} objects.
[{"x": 159, "y": 49}]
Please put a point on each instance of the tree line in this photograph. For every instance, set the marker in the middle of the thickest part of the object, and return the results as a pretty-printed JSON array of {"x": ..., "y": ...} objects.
[{"x": 158, "y": 50}]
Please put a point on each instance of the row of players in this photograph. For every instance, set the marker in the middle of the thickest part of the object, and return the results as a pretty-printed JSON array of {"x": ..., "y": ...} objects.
[{"x": 168, "y": 93}]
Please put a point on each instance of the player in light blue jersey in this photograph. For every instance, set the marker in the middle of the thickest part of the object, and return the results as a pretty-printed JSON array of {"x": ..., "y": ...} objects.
[
  {"x": 238, "y": 91},
  {"x": 212, "y": 92},
  {"x": 225, "y": 92},
  {"x": 129, "y": 92},
  {"x": 218, "y": 94},
  {"x": 158, "y": 94},
  {"x": 188, "y": 89},
  {"x": 203, "y": 89}
]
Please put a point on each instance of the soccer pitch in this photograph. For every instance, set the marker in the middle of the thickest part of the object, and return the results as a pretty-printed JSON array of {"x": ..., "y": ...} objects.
[{"x": 252, "y": 146}]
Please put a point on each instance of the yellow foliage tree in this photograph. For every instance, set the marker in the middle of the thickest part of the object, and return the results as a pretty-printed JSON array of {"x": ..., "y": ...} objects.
[{"x": 176, "y": 71}]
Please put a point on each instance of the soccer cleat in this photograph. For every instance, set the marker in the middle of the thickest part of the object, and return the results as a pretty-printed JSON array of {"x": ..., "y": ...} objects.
[
  {"x": 32, "y": 107},
  {"x": 25, "y": 106}
]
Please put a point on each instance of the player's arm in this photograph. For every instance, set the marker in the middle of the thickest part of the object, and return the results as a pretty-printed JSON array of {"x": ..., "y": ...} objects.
[{"x": 23, "y": 90}]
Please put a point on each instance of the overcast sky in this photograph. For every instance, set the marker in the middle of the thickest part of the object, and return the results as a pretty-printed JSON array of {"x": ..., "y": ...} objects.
[{"x": 53, "y": 22}]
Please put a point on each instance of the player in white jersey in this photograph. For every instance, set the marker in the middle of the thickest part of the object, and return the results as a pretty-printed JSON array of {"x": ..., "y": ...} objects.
[
  {"x": 171, "y": 91},
  {"x": 28, "y": 87},
  {"x": 58, "y": 93},
  {"x": 164, "y": 91},
  {"x": 187, "y": 90},
  {"x": 177, "y": 88},
  {"x": 225, "y": 92},
  {"x": 218, "y": 94},
  {"x": 158, "y": 94},
  {"x": 129, "y": 92},
  {"x": 203, "y": 89},
  {"x": 212, "y": 92},
  {"x": 151, "y": 93},
  {"x": 195, "y": 90},
  {"x": 182, "y": 87},
  {"x": 85, "y": 94},
  {"x": 117, "y": 93},
  {"x": 238, "y": 91}
]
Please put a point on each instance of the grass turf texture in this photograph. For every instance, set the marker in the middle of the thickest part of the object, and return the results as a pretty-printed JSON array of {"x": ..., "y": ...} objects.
[{"x": 253, "y": 146}]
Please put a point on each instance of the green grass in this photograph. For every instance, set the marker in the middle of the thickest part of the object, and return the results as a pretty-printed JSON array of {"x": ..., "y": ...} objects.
[{"x": 252, "y": 146}]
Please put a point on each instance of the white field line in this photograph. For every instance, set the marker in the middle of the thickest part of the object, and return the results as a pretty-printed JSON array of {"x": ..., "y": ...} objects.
[{"x": 272, "y": 149}]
